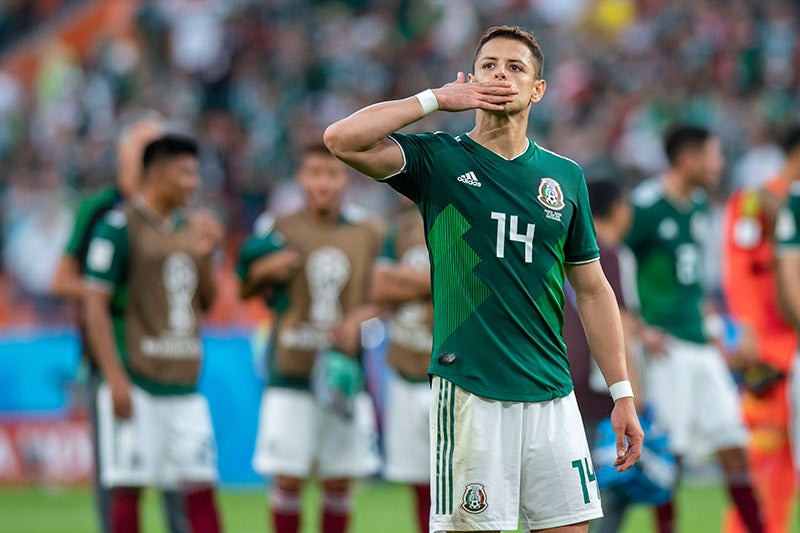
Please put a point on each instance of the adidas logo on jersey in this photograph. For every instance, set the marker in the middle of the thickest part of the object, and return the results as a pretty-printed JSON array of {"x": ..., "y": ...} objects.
[{"x": 470, "y": 179}]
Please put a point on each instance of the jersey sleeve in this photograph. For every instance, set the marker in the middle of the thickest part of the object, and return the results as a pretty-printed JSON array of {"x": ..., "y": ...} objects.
[
  {"x": 85, "y": 218},
  {"x": 787, "y": 238},
  {"x": 413, "y": 180},
  {"x": 581, "y": 243},
  {"x": 109, "y": 250}
]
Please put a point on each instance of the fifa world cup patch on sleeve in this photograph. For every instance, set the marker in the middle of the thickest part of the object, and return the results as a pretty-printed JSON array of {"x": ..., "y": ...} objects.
[{"x": 100, "y": 255}]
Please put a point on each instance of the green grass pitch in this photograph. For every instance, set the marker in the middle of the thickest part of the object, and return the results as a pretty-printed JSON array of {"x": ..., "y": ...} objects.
[{"x": 379, "y": 508}]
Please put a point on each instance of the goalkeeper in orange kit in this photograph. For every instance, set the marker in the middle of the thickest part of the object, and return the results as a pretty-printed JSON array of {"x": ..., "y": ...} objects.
[{"x": 750, "y": 288}]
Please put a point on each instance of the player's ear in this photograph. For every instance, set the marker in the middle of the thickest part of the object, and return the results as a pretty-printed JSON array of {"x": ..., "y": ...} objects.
[
  {"x": 470, "y": 78},
  {"x": 538, "y": 91}
]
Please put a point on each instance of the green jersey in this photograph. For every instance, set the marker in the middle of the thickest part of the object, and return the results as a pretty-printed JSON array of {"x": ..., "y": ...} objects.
[
  {"x": 787, "y": 238},
  {"x": 666, "y": 239},
  {"x": 499, "y": 232}
]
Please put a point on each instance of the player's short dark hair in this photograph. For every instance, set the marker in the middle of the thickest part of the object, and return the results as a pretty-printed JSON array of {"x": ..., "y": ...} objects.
[
  {"x": 683, "y": 138},
  {"x": 790, "y": 139},
  {"x": 518, "y": 34},
  {"x": 604, "y": 194},
  {"x": 167, "y": 147}
]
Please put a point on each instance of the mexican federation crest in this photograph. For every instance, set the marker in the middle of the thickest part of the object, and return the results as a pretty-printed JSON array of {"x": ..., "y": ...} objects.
[
  {"x": 474, "y": 499},
  {"x": 550, "y": 194}
]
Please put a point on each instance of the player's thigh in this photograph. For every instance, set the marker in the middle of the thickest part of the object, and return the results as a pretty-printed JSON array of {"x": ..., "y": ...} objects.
[
  {"x": 558, "y": 483},
  {"x": 406, "y": 431},
  {"x": 475, "y": 461},
  {"x": 288, "y": 431},
  {"x": 348, "y": 447},
  {"x": 671, "y": 392},
  {"x": 717, "y": 394},
  {"x": 583, "y": 527},
  {"x": 192, "y": 448},
  {"x": 130, "y": 449}
]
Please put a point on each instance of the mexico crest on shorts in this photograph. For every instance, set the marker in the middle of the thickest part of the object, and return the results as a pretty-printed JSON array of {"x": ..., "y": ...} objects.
[
  {"x": 550, "y": 194},
  {"x": 474, "y": 499}
]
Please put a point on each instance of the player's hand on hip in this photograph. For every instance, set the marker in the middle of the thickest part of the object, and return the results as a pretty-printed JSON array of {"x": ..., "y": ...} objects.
[
  {"x": 629, "y": 433},
  {"x": 461, "y": 96},
  {"x": 121, "y": 398}
]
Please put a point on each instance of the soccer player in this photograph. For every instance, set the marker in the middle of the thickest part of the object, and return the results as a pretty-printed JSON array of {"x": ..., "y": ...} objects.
[
  {"x": 611, "y": 213},
  {"x": 402, "y": 282},
  {"x": 505, "y": 220},
  {"x": 148, "y": 280},
  {"x": 314, "y": 267},
  {"x": 691, "y": 379},
  {"x": 68, "y": 283},
  {"x": 751, "y": 292}
]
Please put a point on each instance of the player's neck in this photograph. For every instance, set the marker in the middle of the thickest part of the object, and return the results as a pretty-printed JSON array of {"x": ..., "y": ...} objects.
[
  {"x": 324, "y": 215},
  {"x": 505, "y": 135},
  {"x": 677, "y": 186},
  {"x": 154, "y": 204}
]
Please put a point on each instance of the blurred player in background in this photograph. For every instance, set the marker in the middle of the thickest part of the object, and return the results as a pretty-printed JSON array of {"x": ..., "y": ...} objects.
[
  {"x": 691, "y": 379},
  {"x": 149, "y": 278},
  {"x": 751, "y": 292},
  {"x": 68, "y": 283},
  {"x": 505, "y": 220},
  {"x": 611, "y": 213},
  {"x": 402, "y": 280},
  {"x": 314, "y": 268}
]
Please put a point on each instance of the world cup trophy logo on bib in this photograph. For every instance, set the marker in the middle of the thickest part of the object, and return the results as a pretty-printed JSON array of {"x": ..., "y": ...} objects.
[
  {"x": 180, "y": 281},
  {"x": 327, "y": 272},
  {"x": 550, "y": 194},
  {"x": 474, "y": 500}
]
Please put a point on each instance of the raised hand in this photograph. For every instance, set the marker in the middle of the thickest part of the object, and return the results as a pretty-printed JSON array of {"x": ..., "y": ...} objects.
[{"x": 461, "y": 96}]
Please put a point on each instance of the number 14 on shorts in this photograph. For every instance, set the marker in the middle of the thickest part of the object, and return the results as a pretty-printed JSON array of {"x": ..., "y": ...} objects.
[{"x": 584, "y": 468}]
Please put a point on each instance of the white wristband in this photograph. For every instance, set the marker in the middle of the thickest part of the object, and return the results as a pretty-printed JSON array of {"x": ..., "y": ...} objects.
[
  {"x": 621, "y": 389},
  {"x": 428, "y": 101}
]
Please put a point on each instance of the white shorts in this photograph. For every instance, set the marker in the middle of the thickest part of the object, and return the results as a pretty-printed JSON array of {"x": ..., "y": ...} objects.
[
  {"x": 167, "y": 442},
  {"x": 495, "y": 463},
  {"x": 298, "y": 437},
  {"x": 695, "y": 399},
  {"x": 406, "y": 431}
]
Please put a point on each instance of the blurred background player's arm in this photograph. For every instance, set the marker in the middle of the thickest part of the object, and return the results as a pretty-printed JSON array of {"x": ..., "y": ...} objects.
[
  {"x": 210, "y": 233},
  {"x": 99, "y": 331},
  {"x": 394, "y": 284},
  {"x": 278, "y": 268}
]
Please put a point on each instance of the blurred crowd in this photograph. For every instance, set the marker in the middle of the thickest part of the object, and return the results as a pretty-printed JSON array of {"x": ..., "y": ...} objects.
[{"x": 256, "y": 79}]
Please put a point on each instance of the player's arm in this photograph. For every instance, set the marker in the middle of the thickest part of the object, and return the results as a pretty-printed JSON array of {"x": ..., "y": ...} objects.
[
  {"x": 394, "y": 284},
  {"x": 276, "y": 268},
  {"x": 99, "y": 332},
  {"x": 601, "y": 321},
  {"x": 361, "y": 140},
  {"x": 106, "y": 268},
  {"x": 67, "y": 282}
]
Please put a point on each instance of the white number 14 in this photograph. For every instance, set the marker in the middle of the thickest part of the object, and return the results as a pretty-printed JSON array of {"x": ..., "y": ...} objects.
[{"x": 513, "y": 234}]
